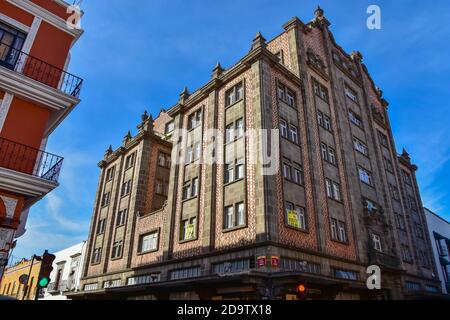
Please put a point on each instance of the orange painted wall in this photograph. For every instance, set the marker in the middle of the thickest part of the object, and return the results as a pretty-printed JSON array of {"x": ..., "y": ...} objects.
[
  {"x": 51, "y": 45},
  {"x": 16, "y": 13},
  {"x": 53, "y": 7},
  {"x": 25, "y": 123}
]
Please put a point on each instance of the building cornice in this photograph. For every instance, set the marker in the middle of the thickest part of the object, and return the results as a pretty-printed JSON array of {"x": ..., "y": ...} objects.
[
  {"x": 47, "y": 16},
  {"x": 25, "y": 184}
]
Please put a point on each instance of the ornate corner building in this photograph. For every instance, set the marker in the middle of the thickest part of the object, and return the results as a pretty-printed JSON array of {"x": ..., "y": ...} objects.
[
  {"x": 341, "y": 198},
  {"x": 36, "y": 94}
]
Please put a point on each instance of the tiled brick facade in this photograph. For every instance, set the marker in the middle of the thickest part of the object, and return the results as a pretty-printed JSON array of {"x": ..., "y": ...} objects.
[{"x": 310, "y": 56}]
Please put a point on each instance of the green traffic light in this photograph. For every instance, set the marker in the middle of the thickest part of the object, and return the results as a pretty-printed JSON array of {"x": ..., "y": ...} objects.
[{"x": 43, "y": 283}]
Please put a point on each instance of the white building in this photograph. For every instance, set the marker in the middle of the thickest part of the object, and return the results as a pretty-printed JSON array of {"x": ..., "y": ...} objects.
[
  {"x": 439, "y": 230},
  {"x": 66, "y": 274}
]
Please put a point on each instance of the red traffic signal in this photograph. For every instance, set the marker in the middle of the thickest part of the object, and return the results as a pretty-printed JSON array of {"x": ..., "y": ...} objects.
[{"x": 302, "y": 290}]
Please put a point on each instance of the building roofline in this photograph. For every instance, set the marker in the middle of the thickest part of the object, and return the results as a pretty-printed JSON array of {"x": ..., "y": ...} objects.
[{"x": 436, "y": 215}]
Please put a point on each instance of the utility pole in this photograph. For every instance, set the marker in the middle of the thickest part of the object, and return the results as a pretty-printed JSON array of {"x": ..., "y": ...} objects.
[{"x": 25, "y": 290}]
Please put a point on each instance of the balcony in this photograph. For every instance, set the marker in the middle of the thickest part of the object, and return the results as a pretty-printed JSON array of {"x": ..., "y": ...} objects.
[
  {"x": 39, "y": 70},
  {"x": 383, "y": 260},
  {"x": 37, "y": 163}
]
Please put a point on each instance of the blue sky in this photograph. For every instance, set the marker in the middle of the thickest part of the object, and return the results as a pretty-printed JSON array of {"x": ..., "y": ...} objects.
[{"x": 139, "y": 54}]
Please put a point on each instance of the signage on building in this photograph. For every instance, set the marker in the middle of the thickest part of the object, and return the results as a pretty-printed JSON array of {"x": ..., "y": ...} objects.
[
  {"x": 275, "y": 261},
  {"x": 190, "y": 228},
  {"x": 262, "y": 261},
  {"x": 293, "y": 219}
]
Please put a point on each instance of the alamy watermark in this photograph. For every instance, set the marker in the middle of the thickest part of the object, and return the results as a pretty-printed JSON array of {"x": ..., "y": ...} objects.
[
  {"x": 74, "y": 20},
  {"x": 374, "y": 19},
  {"x": 374, "y": 279}
]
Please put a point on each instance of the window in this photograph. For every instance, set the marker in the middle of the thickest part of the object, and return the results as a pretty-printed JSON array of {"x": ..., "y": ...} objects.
[
  {"x": 388, "y": 165},
  {"x": 406, "y": 254},
  {"x": 164, "y": 160},
  {"x": 412, "y": 203},
  {"x": 412, "y": 286},
  {"x": 197, "y": 151},
  {"x": 126, "y": 188},
  {"x": 407, "y": 178},
  {"x": 229, "y": 133},
  {"x": 110, "y": 174},
  {"x": 295, "y": 216},
  {"x": 129, "y": 161},
  {"x": 383, "y": 139},
  {"x": 234, "y": 216},
  {"x": 106, "y": 199},
  {"x": 151, "y": 278},
  {"x": 376, "y": 242},
  {"x": 122, "y": 217},
  {"x": 233, "y": 266},
  {"x": 338, "y": 231},
  {"x": 188, "y": 229},
  {"x": 194, "y": 191},
  {"x": 116, "y": 249},
  {"x": 355, "y": 119},
  {"x": 148, "y": 242},
  {"x": 345, "y": 274},
  {"x": 195, "y": 120},
  {"x": 170, "y": 127},
  {"x": 324, "y": 121},
  {"x": 419, "y": 231},
  {"x": 161, "y": 188},
  {"x": 280, "y": 56},
  {"x": 350, "y": 93},
  {"x": 394, "y": 192},
  {"x": 190, "y": 189},
  {"x": 229, "y": 173},
  {"x": 300, "y": 265},
  {"x": 298, "y": 176},
  {"x": 320, "y": 118},
  {"x": 399, "y": 221},
  {"x": 11, "y": 42},
  {"x": 96, "y": 255},
  {"x": 286, "y": 95},
  {"x": 320, "y": 91},
  {"x": 365, "y": 176},
  {"x": 234, "y": 95},
  {"x": 425, "y": 261},
  {"x": 328, "y": 153},
  {"x": 187, "y": 190},
  {"x": 360, "y": 147},
  {"x": 283, "y": 129},
  {"x": 287, "y": 171},
  {"x": 239, "y": 169},
  {"x": 101, "y": 226},
  {"x": 333, "y": 190},
  {"x": 186, "y": 273},
  {"x": 293, "y": 133},
  {"x": 239, "y": 128}
]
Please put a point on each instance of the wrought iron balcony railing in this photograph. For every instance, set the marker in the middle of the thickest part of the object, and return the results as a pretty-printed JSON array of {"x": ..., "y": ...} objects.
[
  {"x": 28, "y": 160},
  {"x": 39, "y": 70}
]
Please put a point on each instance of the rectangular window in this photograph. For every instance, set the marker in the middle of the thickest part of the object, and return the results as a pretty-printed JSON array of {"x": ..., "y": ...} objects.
[
  {"x": 197, "y": 151},
  {"x": 388, "y": 165},
  {"x": 406, "y": 254},
  {"x": 360, "y": 146},
  {"x": 239, "y": 169},
  {"x": 324, "y": 149},
  {"x": 327, "y": 123},
  {"x": 355, "y": 119},
  {"x": 101, "y": 226},
  {"x": 11, "y": 42},
  {"x": 148, "y": 242},
  {"x": 239, "y": 128},
  {"x": 286, "y": 95},
  {"x": 376, "y": 243},
  {"x": 342, "y": 232},
  {"x": 129, "y": 161},
  {"x": 295, "y": 216},
  {"x": 407, "y": 178},
  {"x": 106, "y": 199},
  {"x": 186, "y": 190},
  {"x": 195, "y": 120},
  {"x": 126, "y": 188},
  {"x": 234, "y": 216},
  {"x": 298, "y": 176},
  {"x": 234, "y": 95},
  {"x": 229, "y": 133},
  {"x": 170, "y": 127},
  {"x": 331, "y": 156},
  {"x": 383, "y": 139},
  {"x": 336, "y": 191},
  {"x": 412, "y": 203},
  {"x": 117, "y": 249},
  {"x": 287, "y": 171},
  {"x": 394, "y": 192},
  {"x": 187, "y": 273},
  {"x": 110, "y": 174},
  {"x": 283, "y": 129},
  {"x": 334, "y": 229},
  {"x": 96, "y": 255},
  {"x": 122, "y": 217},
  {"x": 189, "y": 155},
  {"x": 399, "y": 221},
  {"x": 293, "y": 133},
  {"x": 419, "y": 231},
  {"x": 365, "y": 176},
  {"x": 229, "y": 173},
  {"x": 320, "y": 91},
  {"x": 350, "y": 93},
  {"x": 320, "y": 118},
  {"x": 188, "y": 229},
  {"x": 163, "y": 160},
  {"x": 194, "y": 188}
]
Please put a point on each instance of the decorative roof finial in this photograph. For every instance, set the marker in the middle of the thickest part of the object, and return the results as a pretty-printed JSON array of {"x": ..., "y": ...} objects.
[
  {"x": 184, "y": 95},
  {"x": 319, "y": 12},
  {"x": 259, "y": 41},
  {"x": 127, "y": 137},
  {"x": 218, "y": 70},
  {"x": 356, "y": 56},
  {"x": 144, "y": 117},
  {"x": 109, "y": 150}
]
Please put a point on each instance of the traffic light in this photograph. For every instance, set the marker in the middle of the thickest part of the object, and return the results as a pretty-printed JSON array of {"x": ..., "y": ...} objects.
[
  {"x": 46, "y": 269},
  {"x": 302, "y": 290}
]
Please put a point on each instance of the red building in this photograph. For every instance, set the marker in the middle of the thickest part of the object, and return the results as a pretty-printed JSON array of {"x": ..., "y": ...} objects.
[{"x": 36, "y": 94}]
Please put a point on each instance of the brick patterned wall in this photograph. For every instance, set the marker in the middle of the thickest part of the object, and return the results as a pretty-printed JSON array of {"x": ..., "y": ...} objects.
[
  {"x": 247, "y": 235},
  {"x": 181, "y": 250},
  {"x": 281, "y": 43},
  {"x": 287, "y": 235},
  {"x": 159, "y": 125}
]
